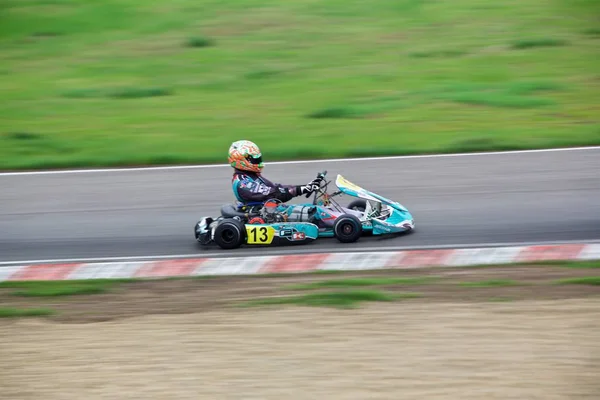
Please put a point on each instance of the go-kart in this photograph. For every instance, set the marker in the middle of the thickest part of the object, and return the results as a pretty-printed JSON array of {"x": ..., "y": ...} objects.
[{"x": 274, "y": 223}]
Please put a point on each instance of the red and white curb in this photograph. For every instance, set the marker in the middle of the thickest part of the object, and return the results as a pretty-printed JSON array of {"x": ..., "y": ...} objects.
[{"x": 301, "y": 263}]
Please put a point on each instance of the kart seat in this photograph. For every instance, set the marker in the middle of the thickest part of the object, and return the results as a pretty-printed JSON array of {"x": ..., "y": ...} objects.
[
  {"x": 229, "y": 211},
  {"x": 251, "y": 204}
]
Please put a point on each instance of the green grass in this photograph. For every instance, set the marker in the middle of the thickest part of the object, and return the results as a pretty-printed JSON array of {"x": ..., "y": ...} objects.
[
  {"x": 490, "y": 283},
  {"x": 592, "y": 32},
  {"x": 62, "y": 288},
  {"x": 438, "y": 53},
  {"x": 517, "y": 95},
  {"x": 123, "y": 82},
  {"x": 6, "y": 312},
  {"x": 500, "y": 299},
  {"x": 585, "y": 280},
  {"x": 591, "y": 264},
  {"x": 118, "y": 93},
  {"x": 354, "y": 282},
  {"x": 138, "y": 93},
  {"x": 538, "y": 42},
  {"x": 200, "y": 41},
  {"x": 341, "y": 299}
]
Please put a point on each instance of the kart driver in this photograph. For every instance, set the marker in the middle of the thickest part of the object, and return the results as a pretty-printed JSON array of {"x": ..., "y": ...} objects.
[{"x": 248, "y": 183}]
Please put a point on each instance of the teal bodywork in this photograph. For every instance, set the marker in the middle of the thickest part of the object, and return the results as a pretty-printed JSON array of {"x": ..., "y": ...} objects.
[
  {"x": 399, "y": 218},
  {"x": 286, "y": 230},
  {"x": 324, "y": 215}
]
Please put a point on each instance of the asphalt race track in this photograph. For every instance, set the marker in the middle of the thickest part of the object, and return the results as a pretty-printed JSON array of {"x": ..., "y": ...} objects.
[{"x": 473, "y": 200}]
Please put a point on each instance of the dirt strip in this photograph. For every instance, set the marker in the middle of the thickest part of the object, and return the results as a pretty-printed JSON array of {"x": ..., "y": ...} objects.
[{"x": 184, "y": 339}]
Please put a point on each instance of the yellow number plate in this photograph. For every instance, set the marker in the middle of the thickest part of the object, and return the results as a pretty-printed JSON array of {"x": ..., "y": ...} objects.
[{"x": 260, "y": 234}]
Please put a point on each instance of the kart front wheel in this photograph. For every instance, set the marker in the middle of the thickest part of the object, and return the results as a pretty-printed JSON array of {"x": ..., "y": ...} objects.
[
  {"x": 229, "y": 234},
  {"x": 347, "y": 228},
  {"x": 360, "y": 205}
]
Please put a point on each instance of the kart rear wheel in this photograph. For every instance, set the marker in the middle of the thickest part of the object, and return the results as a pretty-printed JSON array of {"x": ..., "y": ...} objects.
[
  {"x": 347, "y": 228},
  {"x": 358, "y": 205},
  {"x": 230, "y": 234}
]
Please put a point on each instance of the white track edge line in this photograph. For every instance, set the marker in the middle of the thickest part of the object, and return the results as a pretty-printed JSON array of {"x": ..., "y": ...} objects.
[
  {"x": 298, "y": 252},
  {"x": 331, "y": 160}
]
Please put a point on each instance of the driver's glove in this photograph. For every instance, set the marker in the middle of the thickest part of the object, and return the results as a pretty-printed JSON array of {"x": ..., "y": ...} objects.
[{"x": 312, "y": 186}]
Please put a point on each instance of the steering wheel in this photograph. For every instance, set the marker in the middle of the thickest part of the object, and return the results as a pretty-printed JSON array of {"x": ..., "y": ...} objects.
[{"x": 319, "y": 175}]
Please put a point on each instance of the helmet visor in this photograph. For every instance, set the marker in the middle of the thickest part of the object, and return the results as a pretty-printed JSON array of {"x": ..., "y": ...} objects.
[{"x": 256, "y": 160}]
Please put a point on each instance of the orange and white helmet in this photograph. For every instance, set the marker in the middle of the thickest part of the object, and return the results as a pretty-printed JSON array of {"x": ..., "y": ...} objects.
[{"x": 246, "y": 156}]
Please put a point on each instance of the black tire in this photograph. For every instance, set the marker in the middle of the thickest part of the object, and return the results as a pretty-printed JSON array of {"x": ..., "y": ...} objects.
[
  {"x": 358, "y": 205},
  {"x": 347, "y": 228},
  {"x": 230, "y": 234}
]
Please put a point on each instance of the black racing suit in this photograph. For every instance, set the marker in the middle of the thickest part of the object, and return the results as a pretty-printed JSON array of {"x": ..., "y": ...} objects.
[{"x": 250, "y": 187}]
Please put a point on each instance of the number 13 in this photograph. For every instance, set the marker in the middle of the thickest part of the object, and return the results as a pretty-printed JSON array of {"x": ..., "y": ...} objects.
[{"x": 258, "y": 234}]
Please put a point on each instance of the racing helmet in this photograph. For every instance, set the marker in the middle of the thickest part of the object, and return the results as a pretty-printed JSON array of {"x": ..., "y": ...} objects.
[{"x": 246, "y": 156}]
